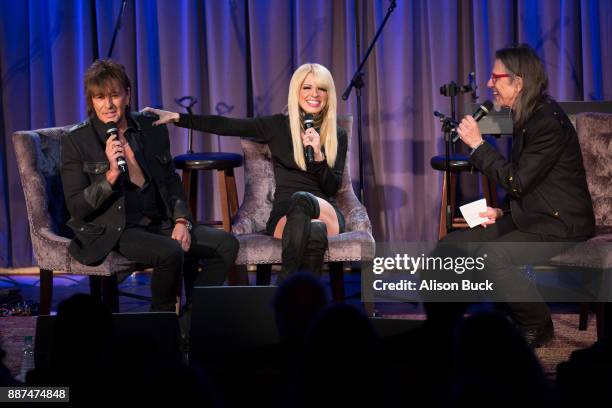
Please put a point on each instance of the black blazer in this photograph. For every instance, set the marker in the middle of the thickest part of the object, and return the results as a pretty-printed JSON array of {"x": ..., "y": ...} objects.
[
  {"x": 97, "y": 209},
  {"x": 545, "y": 177}
]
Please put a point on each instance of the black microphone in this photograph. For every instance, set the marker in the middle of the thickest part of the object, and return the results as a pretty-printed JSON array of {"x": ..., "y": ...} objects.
[
  {"x": 113, "y": 131},
  {"x": 308, "y": 150},
  {"x": 482, "y": 111}
]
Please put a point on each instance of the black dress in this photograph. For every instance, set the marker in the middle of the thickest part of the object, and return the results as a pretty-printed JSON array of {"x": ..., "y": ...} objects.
[{"x": 319, "y": 179}]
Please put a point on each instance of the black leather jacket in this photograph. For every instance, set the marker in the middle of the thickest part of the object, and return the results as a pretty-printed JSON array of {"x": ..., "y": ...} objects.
[
  {"x": 97, "y": 209},
  {"x": 545, "y": 176}
]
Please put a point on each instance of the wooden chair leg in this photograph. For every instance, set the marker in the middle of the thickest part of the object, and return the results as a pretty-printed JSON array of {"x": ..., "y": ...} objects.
[
  {"x": 264, "y": 275},
  {"x": 444, "y": 201},
  {"x": 600, "y": 319},
  {"x": 225, "y": 206},
  {"x": 442, "y": 230},
  {"x": 240, "y": 275},
  {"x": 232, "y": 192},
  {"x": 95, "y": 286},
  {"x": 190, "y": 179},
  {"x": 233, "y": 277},
  {"x": 46, "y": 291},
  {"x": 187, "y": 188},
  {"x": 110, "y": 292},
  {"x": 370, "y": 309},
  {"x": 336, "y": 280},
  {"x": 453, "y": 197},
  {"x": 179, "y": 296},
  {"x": 583, "y": 317}
]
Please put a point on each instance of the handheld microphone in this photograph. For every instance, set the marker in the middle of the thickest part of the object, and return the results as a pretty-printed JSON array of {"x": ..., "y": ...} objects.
[
  {"x": 482, "y": 111},
  {"x": 308, "y": 150},
  {"x": 113, "y": 131}
]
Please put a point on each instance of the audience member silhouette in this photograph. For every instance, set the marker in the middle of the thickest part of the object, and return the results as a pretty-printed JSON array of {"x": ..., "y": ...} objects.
[
  {"x": 6, "y": 379},
  {"x": 340, "y": 360},
  {"x": 494, "y": 365},
  {"x": 98, "y": 362},
  {"x": 586, "y": 377},
  {"x": 297, "y": 302}
]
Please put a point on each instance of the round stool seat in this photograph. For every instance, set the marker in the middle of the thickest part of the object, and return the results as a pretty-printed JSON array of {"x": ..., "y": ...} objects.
[
  {"x": 208, "y": 161},
  {"x": 457, "y": 163}
]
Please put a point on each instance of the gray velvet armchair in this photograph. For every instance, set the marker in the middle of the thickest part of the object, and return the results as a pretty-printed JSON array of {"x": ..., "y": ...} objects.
[
  {"x": 38, "y": 160},
  {"x": 595, "y": 136},
  {"x": 256, "y": 248}
]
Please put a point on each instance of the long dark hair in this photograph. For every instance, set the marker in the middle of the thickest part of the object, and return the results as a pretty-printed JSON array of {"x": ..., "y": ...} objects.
[{"x": 522, "y": 61}]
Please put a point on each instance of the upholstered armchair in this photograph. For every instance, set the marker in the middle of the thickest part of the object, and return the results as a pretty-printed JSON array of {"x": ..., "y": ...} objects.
[
  {"x": 595, "y": 136},
  {"x": 256, "y": 248},
  {"x": 38, "y": 160}
]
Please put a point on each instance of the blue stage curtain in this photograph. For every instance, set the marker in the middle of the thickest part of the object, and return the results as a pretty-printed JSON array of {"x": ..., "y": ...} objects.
[{"x": 237, "y": 56}]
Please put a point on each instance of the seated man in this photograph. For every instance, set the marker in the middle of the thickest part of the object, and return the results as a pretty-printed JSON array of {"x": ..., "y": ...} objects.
[{"x": 139, "y": 210}]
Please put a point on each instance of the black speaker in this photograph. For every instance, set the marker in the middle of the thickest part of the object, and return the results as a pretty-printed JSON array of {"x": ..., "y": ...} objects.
[
  {"x": 231, "y": 319},
  {"x": 160, "y": 329},
  {"x": 234, "y": 319}
]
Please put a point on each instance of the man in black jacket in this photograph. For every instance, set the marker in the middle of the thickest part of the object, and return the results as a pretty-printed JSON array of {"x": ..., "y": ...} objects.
[
  {"x": 546, "y": 183},
  {"x": 142, "y": 212}
]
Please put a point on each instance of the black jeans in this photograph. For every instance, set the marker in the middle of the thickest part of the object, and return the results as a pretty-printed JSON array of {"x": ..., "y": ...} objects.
[
  {"x": 154, "y": 246},
  {"x": 501, "y": 267}
]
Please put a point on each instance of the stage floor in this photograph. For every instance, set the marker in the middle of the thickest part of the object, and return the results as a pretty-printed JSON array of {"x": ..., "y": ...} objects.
[{"x": 13, "y": 329}]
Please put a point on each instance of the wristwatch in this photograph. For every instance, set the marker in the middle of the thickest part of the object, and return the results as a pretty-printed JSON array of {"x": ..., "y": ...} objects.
[{"x": 185, "y": 222}]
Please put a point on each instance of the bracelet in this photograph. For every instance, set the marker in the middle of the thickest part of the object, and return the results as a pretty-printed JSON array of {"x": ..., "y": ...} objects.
[{"x": 185, "y": 222}]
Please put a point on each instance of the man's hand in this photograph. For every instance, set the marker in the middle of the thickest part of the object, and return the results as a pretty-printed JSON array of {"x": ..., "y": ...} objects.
[
  {"x": 113, "y": 151},
  {"x": 182, "y": 235},
  {"x": 492, "y": 214},
  {"x": 164, "y": 116},
  {"x": 469, "y": 132}
]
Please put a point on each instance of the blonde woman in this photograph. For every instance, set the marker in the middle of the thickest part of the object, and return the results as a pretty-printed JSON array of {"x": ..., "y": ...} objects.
[{"x": 304, "y": 212}]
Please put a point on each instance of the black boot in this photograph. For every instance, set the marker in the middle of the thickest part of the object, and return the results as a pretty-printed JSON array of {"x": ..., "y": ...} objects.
[
  {"x": 312, "y": 260},
  {"x": 304, "y": 207}
]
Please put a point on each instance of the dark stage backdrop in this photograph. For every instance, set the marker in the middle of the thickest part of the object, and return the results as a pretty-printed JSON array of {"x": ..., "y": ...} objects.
[{"x": 237, "y": 56}]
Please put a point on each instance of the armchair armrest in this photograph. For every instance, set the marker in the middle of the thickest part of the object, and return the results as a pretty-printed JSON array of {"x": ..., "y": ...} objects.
[{"x": 354, "y": 212}]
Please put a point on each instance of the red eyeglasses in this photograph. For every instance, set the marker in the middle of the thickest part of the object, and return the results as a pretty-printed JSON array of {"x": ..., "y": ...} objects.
[{"x": 495, "y": 77}]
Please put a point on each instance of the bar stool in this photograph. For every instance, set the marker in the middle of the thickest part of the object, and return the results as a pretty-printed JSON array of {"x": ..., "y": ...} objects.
[
  {"x": 224, "y": 164},
  {"x": 458, "y": 163},
  {"x": 191, "y": 163}
]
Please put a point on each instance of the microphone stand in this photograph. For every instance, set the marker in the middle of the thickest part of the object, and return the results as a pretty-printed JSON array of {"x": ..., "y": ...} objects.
[
  {"x": 451, "y": 90},
  {"x": 358, "y": 83},
  {"x": 187, "y": 102},
  {"x": 447, "y": 128},
  {"x": 117, "y": 27}
]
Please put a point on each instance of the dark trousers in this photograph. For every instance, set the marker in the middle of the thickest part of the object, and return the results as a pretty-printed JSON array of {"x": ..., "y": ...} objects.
[
  {"x": 154, "y": 246},
  {"x": 502, "y": 267}
]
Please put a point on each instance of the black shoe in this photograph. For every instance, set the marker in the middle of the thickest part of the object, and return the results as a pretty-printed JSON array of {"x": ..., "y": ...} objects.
[{"x": 539, "y": 336}]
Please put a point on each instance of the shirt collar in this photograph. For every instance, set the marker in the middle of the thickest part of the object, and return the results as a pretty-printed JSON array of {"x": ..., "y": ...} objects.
[{"x": 100, "y": 127}]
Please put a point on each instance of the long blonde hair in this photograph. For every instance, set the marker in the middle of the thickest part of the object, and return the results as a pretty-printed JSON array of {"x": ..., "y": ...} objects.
[{"x": 329, "y": 138}]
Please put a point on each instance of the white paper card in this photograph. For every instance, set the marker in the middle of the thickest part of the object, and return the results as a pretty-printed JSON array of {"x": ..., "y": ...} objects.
[{"x": 470, "y": 212}]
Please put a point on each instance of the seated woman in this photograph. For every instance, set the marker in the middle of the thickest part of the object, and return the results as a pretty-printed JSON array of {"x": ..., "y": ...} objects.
[{"x": 304, "y": 211}]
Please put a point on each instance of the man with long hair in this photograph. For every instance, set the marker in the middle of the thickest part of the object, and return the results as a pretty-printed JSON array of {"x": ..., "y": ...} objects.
[
  {"x": 544, "y": 178},
  {"x": 142, "y": 213}
]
